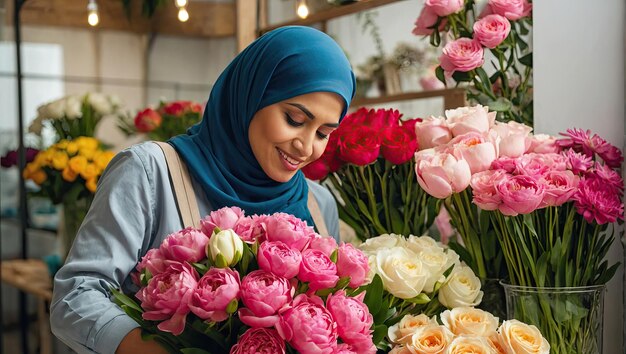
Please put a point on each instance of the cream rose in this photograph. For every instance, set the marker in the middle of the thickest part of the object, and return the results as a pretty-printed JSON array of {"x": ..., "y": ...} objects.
[
  {"x": 384, "y": 241},
  {"x": 470, "y": 321},
  {"x": 520, "y": 338},
  {"x": 462, "y": 288},
  {"x": 73, "y": 107},
  {"x": 470, "y": 345},
  {"x": 402, "y": 331},
  {"x": 401, "y": 271},
  {"x": 430, "y": 340},
  {"x": 470, "y": 119},
  {"x": 400, "y": 349}
]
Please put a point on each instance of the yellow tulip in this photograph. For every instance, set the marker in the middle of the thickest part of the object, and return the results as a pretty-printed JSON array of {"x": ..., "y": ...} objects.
[
  {"x": 62, "y": 145},
  {"x": 102, "y": 158},
  {"x": 59, "y": 160},
  {"x": 88, "y": 153},
  {"x": 72, "y": 148},
  {"x": 69, "y": 175},
  {"x": 90, "y": 171},
  {"x": 91, "y": 184},
  {"x": 78, "y": 163},
  {"x": 88, "y": 143},
  {"x": 39, "y": 177}
]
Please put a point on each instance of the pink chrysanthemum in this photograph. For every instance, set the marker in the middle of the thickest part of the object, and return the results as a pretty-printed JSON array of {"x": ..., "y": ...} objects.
[
  {"x": 609, "y": 177},
  {"x": 578, "y": 163},
  {"x": 610, "y": 154},
  {"x": 590, "y": 145},
  {"x": 595, "y": 200}
]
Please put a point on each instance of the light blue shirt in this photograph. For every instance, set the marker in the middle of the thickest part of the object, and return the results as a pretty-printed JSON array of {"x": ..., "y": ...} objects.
[{"x": 133, "y": 210}]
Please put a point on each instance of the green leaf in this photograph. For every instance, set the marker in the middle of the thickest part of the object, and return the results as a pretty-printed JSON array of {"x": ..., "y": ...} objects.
[
  {"x": 527, "y": 59},
  {"x": 220, "y": 261},
  {"x": 380, "y": 331},
  {"x": 374, "y": 294},
  {"x": 123, "y": 299},
  {"x": 232, "y": 306},
  {"x": 484, "y": 78},
  {"x": 439, "y": 73},
  {"x": 333, "y": 256},
  {"x": 201, "y": 268},
  {"x": 420, "y": 299},
  {"x": 500, "y": 105},
  {"x": 460, "y": 76}
]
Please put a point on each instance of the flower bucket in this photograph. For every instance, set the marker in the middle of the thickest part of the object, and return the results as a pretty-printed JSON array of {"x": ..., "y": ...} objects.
[
  {"x": 570, "y": 318},
  {"x": 74, "y": 212}
]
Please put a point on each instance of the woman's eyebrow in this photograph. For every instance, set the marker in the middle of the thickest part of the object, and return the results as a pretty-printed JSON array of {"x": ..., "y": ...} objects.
[{"x": 310, "y": 115}]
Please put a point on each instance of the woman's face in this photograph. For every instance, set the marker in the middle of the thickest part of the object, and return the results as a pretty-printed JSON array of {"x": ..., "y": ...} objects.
[{"x": 290, "y": 134}]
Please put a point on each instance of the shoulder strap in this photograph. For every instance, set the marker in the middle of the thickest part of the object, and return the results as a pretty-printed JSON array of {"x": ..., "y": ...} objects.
[
  {"x": 316, "y": 214},
  {"x": 183, "y": 190}
]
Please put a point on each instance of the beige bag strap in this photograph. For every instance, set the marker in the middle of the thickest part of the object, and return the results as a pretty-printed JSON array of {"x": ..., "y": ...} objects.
[
  {"x": 316, "y": 214},
  {"x": 183, "y": 189}
]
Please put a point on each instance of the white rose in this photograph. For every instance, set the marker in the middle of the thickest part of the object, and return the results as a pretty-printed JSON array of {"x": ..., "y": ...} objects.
[
  {"x": 462, "y": 288},
  {"x": 401, "y": 271},
  {"x": 225, "y": 248},
  {"x": 470, "y": 119},
  {"x": 453, "y": 258},
  {"x": 402, "y": 331},
  {"x": 470, "y": 321},
  {"x": 520, "y": 338},
  {"x": 73, "y": 107},
  {"x": 99, "y": 102},
  {"x": 422, "y": 243},
  {"x": 54, "y": 109},
  {"x": 115, "y": 101},
  {"x": 467, "y": 345},
  {"x": 384, "y": 241},
  {"x": 435, "y": 262},
  {"x": 430, "y": 340}
]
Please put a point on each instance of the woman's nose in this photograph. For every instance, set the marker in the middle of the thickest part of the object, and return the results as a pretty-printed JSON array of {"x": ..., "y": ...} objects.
[{"x": 304, "y": 145}]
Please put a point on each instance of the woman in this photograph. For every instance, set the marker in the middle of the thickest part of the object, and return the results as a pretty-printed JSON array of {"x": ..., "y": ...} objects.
[{"x": 269, "y": 114}]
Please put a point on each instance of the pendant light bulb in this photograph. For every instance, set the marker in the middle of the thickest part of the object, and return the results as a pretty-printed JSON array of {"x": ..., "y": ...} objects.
[
  {"x": 181, "y": 3},
  {"x": 183, "y": 15},
  {"x": 302, "y": 10},
  {"x": 92, "y": 13}
]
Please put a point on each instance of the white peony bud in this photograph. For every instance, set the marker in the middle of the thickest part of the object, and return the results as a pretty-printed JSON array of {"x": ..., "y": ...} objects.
[{"x": 225, "y": 248}]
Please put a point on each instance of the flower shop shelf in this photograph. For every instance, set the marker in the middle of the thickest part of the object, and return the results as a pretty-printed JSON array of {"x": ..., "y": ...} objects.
[
  {"x": 452, "y": 98},
  {"x": 329, "y": 14}
]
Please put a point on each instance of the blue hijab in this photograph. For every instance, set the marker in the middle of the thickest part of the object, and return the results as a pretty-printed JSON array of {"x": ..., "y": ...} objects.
[{"x": 284, "y": 63}]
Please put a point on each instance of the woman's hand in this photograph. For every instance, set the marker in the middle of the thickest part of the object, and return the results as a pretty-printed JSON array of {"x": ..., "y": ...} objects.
[{"x": 133, "y": 344}]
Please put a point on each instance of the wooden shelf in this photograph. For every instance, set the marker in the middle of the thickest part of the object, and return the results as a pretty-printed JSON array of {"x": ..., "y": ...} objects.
[
  {"x": 340, "y": 10},
  {"x": 453, "y": 98}
]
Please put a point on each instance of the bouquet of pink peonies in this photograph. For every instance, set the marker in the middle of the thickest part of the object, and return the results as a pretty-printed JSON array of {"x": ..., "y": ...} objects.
[
  {"x": 251, "y": 284},
  {"x": 465, "y": 330}
]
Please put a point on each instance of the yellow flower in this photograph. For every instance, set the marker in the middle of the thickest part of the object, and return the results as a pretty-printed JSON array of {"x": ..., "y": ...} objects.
[
  {"x": 87, "y": 143},
  {"x": 88, "y": 153},
  {"x": 69, "y": 175},
  {"x": 90, "y": 171},
  {"x": 102, "y": 158},
  {"x": 72, "y": 148},
  {"x": 61, "y": 144},
  {"x": 39, "y": 177},
  {"x": 78, "y": 163},
  {"x": 91, "y": 184},
  {"x": 59, "y": 160}
]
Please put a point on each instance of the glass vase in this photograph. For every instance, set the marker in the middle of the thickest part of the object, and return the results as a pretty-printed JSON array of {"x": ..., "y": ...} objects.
[
  {"x": 74, "y": 212},
  {"x": 493, "y": 300},
  {"x": 570, "y": 318}
]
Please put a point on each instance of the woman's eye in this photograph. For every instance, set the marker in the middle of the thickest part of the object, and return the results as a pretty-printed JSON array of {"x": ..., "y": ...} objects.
[
  {"x": 322, "y": 135},
  {"x": 292, "y": 122}
]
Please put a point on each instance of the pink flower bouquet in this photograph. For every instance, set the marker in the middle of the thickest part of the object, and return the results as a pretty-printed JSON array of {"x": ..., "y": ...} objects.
[{"x": 253, "y": 284}]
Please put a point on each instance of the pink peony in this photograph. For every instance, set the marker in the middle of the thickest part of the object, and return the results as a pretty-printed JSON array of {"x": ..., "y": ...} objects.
[
  {"x": 511, "y": 9},
  {"x": 595, "y": 200},
  {"x": 280, "y": 259},
  {"x": 259, "y": 340},
  {"x": 473, "y": 147},
  {"x": 514, "y": 138},
  {"x": 325, "y": 244},
  {"x": 426, "y": 21},
  {"x": 317, "y": 270},
  {"x": 263, "y": 294},
  {"x": 224, "y": 218},
  {"x": 308, "y": 326},
  {"x": 251, "y": 229},
  {"x": 508, "y": 164},
  {"x": 432, "y": 132},
  {"x": 560, "y": 187},
  {"x": 353, "y": 320},
  {"x": 441, "y": 174},
  {"x": 484, "y": 185},
  {"x": 353, "y": 263},
  {"x": 491, "y": 30},
  {"x": 167, "y": 296},
  {"x": 187, "y": 245},
  {"x": 289, "y": 230},
  {"x": 520, "y": 194},
  {"x": 444, "y": 8},
  {"x": 154, "y": 262},
  {"x": 216, "y": 289},
  {"x": 533, "y": 165},
  {"x": 463, "y": 120},
  {"x": 542, "y": 144},
  {"x": 344, "y": 348},
  {"x": 463, "y": 54}
]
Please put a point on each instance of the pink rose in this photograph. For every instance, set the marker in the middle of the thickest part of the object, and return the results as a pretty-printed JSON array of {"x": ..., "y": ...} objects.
[
  {"x": 289, "y": 230},
  {"x": 441, "y": 174},
  {"x": 514, "y": 139},
  {"x": 259, "y": 340},
  {"x": 327, "y": 245},
  {"x": 263, "y": 294},
  {"x": 491, "y": 30},
  {"x": 353, "y": 263},
  {"x": 520, "y": 194},
  {"x": 153, "y": 261},
  {"x": 353, "y": 320},
  {"x": 533, "y": 165},
  {"x": 318, "y": 270},
  {"x": 463, "y": 54},
  {"x": 470, "y": 119},
  {"x": 508, "y": 164},
  {"x": 432, "y": 132},
  {"x": 308, "y": 326},
  {"x": 474, "y": 148},
  {"x": 187, "y": 245},
  {"x": 167, "y": 296},
  {"x": 280, "y": 259},
  {"x": 511, "y": 9},
  {"x": 426, "y": 21},
  {"x": 216, "y": 289},
  {"x": 560, "y": 187},
  {"x": 224, "y": 218},
  {"x": 431, "y": 83},
  {"x": 483, "y": 185},
  {"x": 444, "y": 8}
]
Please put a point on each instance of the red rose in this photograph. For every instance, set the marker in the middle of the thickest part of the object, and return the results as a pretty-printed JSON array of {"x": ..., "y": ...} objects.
[
  {"x": 383, "y": 118},
  {"x": 409, "y": 125},
  {"x": 316, "y": 170},
  {"x": 147, "y": 120},
  {"x": 175, "y": 108},
  {"x": 360, "y": 146},
  {"x": 398, "y": 145}
]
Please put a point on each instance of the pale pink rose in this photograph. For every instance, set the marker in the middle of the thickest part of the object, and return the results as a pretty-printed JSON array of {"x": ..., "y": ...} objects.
[
  {"x": 259, "y": 340},
  {"x": 543, "y": 143},
  {"x": 473, "y": 147},
  {"x": 353, "y": 263},
  {"x": 353, "y": 320},
  {"x": 508, "y": 164},
  {"x": 167, "y": 296},
  {"x": 560, "y": 187},
  {"x": 153, "y": 261},
  {"x": 215, "y": 290},
  {"x": 327, "y": 245},
  {"x": 431, "y": 83},
  {"x": 491, "y": 30},
  {"x": 463, "y": 54},
  {"x": 280, "y": 259},
  {"x": 224, "y": 218},
  {"x": 317, "y": 270},
  {"x": 463, "y": 120},
  {"x": 425, "y": 22},
  {"x": 308, "y": 326},
  {"x": 432, "y": 132},
  {"x": 288, "y": 229},
  {"x": 470, "y": 344},
  {"x": 442, "y": 174},
  {"x": 187, "y": 245},
  {"x": 252, "y": 229},
  {"x": 263, "y": 294},
  {"x": 344, "y": 348},
  {"x": 514, "y": 139},
  {"x": 444, "y": 8},
  {"x": 520, "y": 194},
  {"x": 511, "y": 9},
  {"x": 483, "y": 185}
]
